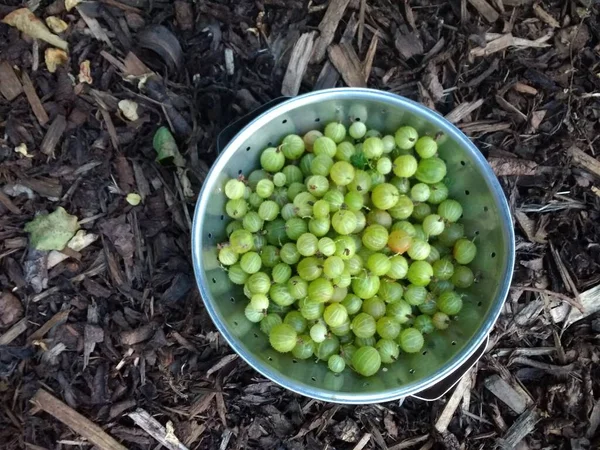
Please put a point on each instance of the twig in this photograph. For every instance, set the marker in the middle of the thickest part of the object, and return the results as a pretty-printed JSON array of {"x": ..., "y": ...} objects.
[
  {"x": 521, "y": 428},
  {"x": 363, "y": 441},
  {"x": 80, "y": 424},
  {"x": 14, "y": 332},
  {"x": 58, "y": 318},
  {"x": 153, "y": 427},
  {"x": 563, "y": 297},
  {"x": 444, "y": 420},
  {"x": 407, "y": 443},
  {"x": 552, "y": 368}
]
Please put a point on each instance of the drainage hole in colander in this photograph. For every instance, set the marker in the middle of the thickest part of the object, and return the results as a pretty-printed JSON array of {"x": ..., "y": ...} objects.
[
  {"x": 453, "y": 342},
  {"x": 318, "y": 119},
  {"x": 240, "y": 172},
  {"x": 270, "y": 359},
  {"x": 467, "y": 192},
  {"x": 313, "y": 378},
  {"x": 284, "y": 121},
  {"x": 485, "y": 208},
  {"x": 462, "y": 163},
  {"x": 479, "y": 303},
  {"x": 425, "y": 352},
  {"x": 357, "y": 119},
  {"x": 232, "y": 300},
  {"x": 476, "y": 232},
  {"x": 493, "y": 255},
  {"x": 235, "y": 324},
  {"x": 222, "y": 217},
  {"x": 269, "y": 143},
  {"x": 411, "y": 371},
  {"x": 248, "y": 149},
  {"x": 256, "y": 335},
  {"x": 294, "y": 361},
  {"x": 209, "y": 235},
  {"x": 214, "y": 281}
]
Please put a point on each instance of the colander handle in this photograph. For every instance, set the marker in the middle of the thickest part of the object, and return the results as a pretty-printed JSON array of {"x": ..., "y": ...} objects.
[
  {"x": 443, "y": 386},
  {"x": 228, "y": 133}
]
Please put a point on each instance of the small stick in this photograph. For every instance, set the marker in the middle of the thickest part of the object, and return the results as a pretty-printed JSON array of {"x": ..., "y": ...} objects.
[
  {"x": 59, "y": 317},
  {"x": 442, "y": 423},
  {"x": 563, "y": 297},
  {"x": 80, "y": 424},
  {"x": 33, "y": 99},
  {"x": 14, "y": 332},
  {"x": 153, "y": 427},
  {"x": 363, "y": 441}
]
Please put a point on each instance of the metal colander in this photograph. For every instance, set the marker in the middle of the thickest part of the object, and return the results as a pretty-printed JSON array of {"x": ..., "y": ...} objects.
[{"x": 447, "y": 354}]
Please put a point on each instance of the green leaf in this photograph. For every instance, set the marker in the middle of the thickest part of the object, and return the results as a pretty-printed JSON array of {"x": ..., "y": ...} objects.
[
  {"x": 359, "y": 160},
  {"x": 166, "y": 147},
  {"x": 52, "y": 231}
]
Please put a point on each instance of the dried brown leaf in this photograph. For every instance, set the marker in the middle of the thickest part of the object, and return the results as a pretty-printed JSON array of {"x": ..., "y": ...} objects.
[{"x": 55, "y": 57}]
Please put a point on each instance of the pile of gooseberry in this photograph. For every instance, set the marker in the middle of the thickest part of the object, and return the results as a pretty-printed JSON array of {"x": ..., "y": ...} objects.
[{"x": 347, "y": 246}]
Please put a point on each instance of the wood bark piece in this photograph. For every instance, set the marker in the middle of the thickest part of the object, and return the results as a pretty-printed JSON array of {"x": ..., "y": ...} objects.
[
  {"x": 485, "y": 9},
  {"x": 408, "y": 44},
  {"x": 368, "y": 63},
  {"x": 34, "y": 101},
  {"x": 150, "y": 425},
  {"x": 328, "y": 77},
  {"x": 298, "y": 64},
  {"x": 504, "y": 391},
  {"x": 10, "y": 86},
  {"x": 590, "y": 302},
  {"x": 78, "y": 423},
  {"x": 327, "y": 27},
  {"x": 53, "y": 135},
  {"x": 584, "y": 161},
  {"x": 521, "y": 428},
  {"x": 545, "y": 16},
  {"x": 14, "y": 332},
  {"x": 444, "y": 420},
  {"x": 463, "y": 110},
  {"x": 8, "y": 204},
  {"x": 346, "y": 61}
]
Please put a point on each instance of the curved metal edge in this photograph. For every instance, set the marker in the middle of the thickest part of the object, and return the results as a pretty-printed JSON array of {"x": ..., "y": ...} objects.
[{"x": 390, "y": 394}]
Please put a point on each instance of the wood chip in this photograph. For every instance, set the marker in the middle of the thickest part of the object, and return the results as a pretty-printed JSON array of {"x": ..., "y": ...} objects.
[
  {"x": 513, "y": 167},
  {"x": 524, "y": 425},
  {"x": 594, "y": 420},
  {"x": 346, "y": 61},
  {"x": 485, "y": 9},
  {"x": 584, "y": 161},
  {"x": 8, "y": 203},
  {"x": 363, "y": 441},
  {"x": 368, "y": 63},
  {"x": 590, "y": 302},
  {"x": 14, "y": 332},
  {"x": 463, "y": 110},
  {"x": 544, "y": 16},
  {"x": 78, "y": 423},
  {"x": 150, "y": 425},
  {"x": 34, "y": 101},
  {"x": 57, "y": 319},
  {"x": 525, "y": 88},
  {"x": 328, "y": 77},
  {"x": 327, "y": 27},
  {"x": 484, "y": 127},
  {"x": 444, "y": 420},
  {"x": 504, "y": 391},
  {"x": 511, "y": 109},
  {"x": 407, "y": 443},
  {"x": 53, "y": 135},
  {"x": 95, "y": 28},
  {"x": 498, "y": 42},
  {"x": 10, "y": 86},
  {"x": 408, "y": 44},
  {"x": 361, "y": 22},
  {"x": 298, "y": 63},
  {"x": 222, "y": 363}
]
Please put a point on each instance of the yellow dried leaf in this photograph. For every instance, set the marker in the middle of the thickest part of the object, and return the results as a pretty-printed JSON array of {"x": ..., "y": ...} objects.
[
  {"x": 56, "y": 24},
  {"x": 129, "y": 109},
  {"x": 70, "y": 4},
  {"x": 22, "y": 149},
  {"x": 85, "y": 73},
  {"x": 26, "y": 22},
  {"x": 133, "y": 199},
  {"x": 55, "y": 57}
]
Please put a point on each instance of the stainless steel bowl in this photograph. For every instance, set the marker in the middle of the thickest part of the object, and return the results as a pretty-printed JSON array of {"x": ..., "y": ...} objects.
[{"x": 486, "y": 218}]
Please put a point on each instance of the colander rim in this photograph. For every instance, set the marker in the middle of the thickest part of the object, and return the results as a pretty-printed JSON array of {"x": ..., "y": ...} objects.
[{"x": 430, "y": 116}]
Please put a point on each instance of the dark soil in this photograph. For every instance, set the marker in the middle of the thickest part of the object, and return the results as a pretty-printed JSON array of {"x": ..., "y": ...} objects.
[{"x": 119, "y": 325}]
